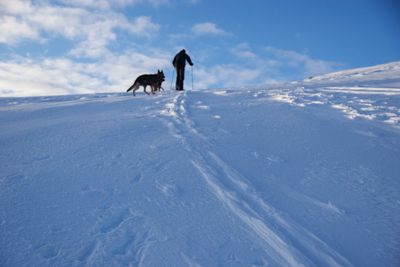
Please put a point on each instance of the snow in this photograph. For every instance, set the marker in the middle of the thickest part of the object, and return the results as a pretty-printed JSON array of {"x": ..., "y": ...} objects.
[
  {"x": 300, "y": 175},
  {"x": 385, "y": 74}
]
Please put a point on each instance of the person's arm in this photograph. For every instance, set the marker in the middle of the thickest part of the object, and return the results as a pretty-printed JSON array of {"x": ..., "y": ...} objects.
[
  {"x": 174, "y": 61},
  {"x": 189, "y": 60}
]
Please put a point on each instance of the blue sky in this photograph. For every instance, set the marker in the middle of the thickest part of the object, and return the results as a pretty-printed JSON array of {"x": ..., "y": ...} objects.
[{"x": 87, "y": 46}]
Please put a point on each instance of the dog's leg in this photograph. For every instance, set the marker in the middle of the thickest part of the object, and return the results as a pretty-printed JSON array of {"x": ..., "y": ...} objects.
[
  {"x": 144, "y": 89},
  {"x": 134, "y": 89}
]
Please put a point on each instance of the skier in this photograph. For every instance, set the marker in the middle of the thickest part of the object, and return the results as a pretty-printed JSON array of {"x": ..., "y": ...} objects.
[{"x": 179, "y": 63}]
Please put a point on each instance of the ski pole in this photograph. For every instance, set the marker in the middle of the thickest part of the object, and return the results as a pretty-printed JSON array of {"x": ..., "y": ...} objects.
[
  {"x": 192, "y": 76},
  {"x": 172, "y": 78}
]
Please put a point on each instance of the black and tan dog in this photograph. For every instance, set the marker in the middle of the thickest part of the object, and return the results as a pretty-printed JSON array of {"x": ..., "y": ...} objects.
[{"x": 154, "y": 80}]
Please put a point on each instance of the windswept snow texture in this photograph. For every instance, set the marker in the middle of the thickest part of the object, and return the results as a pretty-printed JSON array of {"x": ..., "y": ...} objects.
[
  {"x": 285, "y": 177},
  {"x": 385, "y": 75}
]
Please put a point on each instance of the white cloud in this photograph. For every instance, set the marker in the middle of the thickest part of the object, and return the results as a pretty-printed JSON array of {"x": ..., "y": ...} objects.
[
  {"x": 255, "y": 59},
  {"x": 91, "y": 31},
  {"x": 65, "y": 21},
  {"x": 243, "y": 51},
  {"x": 94, "y": 26},
  {"x": 15, "y": 6},
  {"x": 110, "y": 4},
  {"x": 14, "y": 30},
  {"x": 279, "y": 64},
  {"x": 24, "y": 76},
  {"x": 115, "y": 72},
  {"x": 303, "y": 62},
  {"x": 208, "y": 28},
  {"x": 142, "y": 26},
  {"x": 259, "y": 66},
  {"x": 225, "y": 75},
  {"x": 100, "y": 4}
]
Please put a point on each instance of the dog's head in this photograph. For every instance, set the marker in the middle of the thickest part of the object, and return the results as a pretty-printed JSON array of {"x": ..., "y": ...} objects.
[{"x": 161, "y": 75}]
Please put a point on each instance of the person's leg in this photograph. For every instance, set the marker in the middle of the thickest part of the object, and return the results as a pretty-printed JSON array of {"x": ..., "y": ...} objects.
[
  {"x": 183, "y": 77},
  {"x": 178, "y": 79}
]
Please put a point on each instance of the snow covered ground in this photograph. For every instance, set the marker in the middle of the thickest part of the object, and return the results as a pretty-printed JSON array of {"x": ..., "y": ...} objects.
[{"x": 303, "y": 175}]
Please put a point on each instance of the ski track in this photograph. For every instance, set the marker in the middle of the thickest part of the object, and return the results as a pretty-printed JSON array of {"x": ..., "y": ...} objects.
[{"x": 235, "y": 192}]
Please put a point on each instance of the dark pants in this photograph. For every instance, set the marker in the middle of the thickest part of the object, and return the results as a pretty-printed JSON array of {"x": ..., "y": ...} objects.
[{"x": 180, "y": 76}]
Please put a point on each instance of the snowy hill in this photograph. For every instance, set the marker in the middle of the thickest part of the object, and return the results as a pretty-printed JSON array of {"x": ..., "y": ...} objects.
[
  {"x": 292, "y": 176},
  {"x": 385, "y": 75}
]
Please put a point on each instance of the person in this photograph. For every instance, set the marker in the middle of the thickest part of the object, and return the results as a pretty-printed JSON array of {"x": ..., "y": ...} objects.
[{"x": 179, "y": 63}]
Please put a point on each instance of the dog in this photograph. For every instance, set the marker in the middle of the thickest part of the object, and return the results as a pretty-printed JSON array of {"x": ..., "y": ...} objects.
[{"x": 154, "y": 80}]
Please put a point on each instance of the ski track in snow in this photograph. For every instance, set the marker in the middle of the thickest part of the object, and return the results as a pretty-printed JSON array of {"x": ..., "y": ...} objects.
[{"x": 235, "y": 192}]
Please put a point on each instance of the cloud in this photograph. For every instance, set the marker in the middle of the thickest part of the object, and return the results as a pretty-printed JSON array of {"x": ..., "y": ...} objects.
[
  {"x": 48, "y": 77},
  {"x": 16, "y": 7},
  {"x": 255, "y": 66},
  {"x": 92, "y": 32},
  {"x": 110, "y": 4},
  {"x": 142, "y": 26},
  {"x": 24, "y": 76},
  {"x": 115, "y": 72},
  {"x": 98, "y": 4},
  {"x": 243, "y": 51},
  {"x": 208, "y": 28},
  {"x": 98, "y": 58},
  {"x": 20, "y": 30},
  {"x": 225, "y": 75},
  {"x": 279, "y": 64},
  {"x": 304, "y": 63},
  {"x": 248, "y": 56},
  {"x": 196, "y": 31},
  {"x": 97, "y": 35}
]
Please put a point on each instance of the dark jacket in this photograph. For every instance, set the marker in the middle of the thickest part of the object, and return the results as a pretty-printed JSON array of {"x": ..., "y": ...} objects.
[{"x": 180, "y": 60}]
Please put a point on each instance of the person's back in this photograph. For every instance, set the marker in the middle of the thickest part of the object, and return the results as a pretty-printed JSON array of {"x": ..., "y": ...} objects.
[
  {"x": 181, "y": 58},
  {"x": 179, "y": 63}
]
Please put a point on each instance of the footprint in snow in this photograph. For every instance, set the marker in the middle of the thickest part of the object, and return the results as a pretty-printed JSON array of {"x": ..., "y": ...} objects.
[
  {"x": 12, "y": 179},
  {"x": 114, "y": 221},
  {"x": 48, "y": 251},
  {"x": 37, "y": 159},
  {"x": 87, "y": 251},
  {"x": 137, "y": 178}
]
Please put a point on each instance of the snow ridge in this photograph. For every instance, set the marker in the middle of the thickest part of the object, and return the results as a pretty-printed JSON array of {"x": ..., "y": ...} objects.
[{"x": 387, "y": 74}]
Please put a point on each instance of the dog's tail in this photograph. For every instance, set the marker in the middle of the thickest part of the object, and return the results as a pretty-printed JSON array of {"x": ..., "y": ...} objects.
[{"x": 130, "y": 88}]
